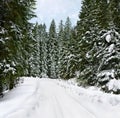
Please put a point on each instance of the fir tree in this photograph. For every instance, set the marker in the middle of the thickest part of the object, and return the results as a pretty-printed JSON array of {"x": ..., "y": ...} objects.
[
  {"x": 67, "y": 55},
  {"x": 60, "y": 46},
  {"x": 87, "y": 31},
  {"x": 53, "y": 49}
]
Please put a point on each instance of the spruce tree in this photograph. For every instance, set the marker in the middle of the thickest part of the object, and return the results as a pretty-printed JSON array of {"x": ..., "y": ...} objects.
[
  {"x": 87, "y": 30},
  {"x": 67, "y": 55},
  {"x": 60, "y": 46},
  {"x": 53, "y": 49},
  {"x": 44, "y": 37}
]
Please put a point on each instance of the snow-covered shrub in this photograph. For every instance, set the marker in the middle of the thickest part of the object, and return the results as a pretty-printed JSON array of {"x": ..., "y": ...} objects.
[{"x": 114, "y": 86}]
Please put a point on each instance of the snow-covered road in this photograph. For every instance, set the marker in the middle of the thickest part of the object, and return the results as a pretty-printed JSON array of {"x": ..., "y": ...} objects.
[
  {"x": 46, "y": 98},
  {"x": 55, "y": 102}
]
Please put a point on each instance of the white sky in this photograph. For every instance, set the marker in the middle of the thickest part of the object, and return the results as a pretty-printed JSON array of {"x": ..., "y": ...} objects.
[{"x": 58, "y": 10}]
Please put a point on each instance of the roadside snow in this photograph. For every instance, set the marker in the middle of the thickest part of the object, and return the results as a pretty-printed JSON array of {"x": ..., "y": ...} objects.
[
  {"x": 103, "y": 105},
  {"x": 46, "y": 98},
  {"x": 92, "y": 93},
  {"x": 19, "y": 102},
  {"x": 114, "y": 85}
]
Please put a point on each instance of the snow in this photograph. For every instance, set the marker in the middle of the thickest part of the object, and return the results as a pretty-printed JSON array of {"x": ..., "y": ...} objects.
[
  {"x": 110, "y": 35},
  {"x": 9, "y": 68},
  {"x": 48, "y": 98},
  {"x": 77, "y": 73},
  {"x": 2, "y": 31},
  {"x": 87, "y": 32},
  {"x": 108, "y": 38},
  {"x": 88, "y": 55},
  {"x": 114, "y": 85},
  {"x": 1, "y": 40},
  {"x": 113, "y": 57},
  {"x": 71, "y": 55},
  {"x": 106, "y": 74},
  {"x": 111, "y": 48}
]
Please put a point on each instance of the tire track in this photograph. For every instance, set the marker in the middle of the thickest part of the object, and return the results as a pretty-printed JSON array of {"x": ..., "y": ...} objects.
[
  {"x": 57, "y": 108},
  {"x": 88, "y": 111}
]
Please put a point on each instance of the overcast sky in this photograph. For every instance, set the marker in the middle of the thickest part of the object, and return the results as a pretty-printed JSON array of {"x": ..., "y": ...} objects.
[{"x": 58, "y": 10}]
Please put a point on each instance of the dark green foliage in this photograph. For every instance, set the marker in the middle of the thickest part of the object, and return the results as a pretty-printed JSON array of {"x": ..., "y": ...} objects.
[
  {"x": 108, "y": 58},
  {"x": 99, "y": 57},
  {"x": 53, "y": 42},
  {"x": 114, "y": 14},
  {"x": 67, "y": 48},
  {"x": 14, "y": 30},
  {"x": 40, "y": 52},
  {"x": 51, "y": 55}
]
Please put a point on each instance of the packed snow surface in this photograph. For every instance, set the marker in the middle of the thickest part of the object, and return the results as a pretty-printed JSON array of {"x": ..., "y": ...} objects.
[{"x": 47, "y": 98}]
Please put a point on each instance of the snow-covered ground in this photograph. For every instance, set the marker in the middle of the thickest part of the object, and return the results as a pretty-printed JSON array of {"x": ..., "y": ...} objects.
[{"x": 46, "y": 98}]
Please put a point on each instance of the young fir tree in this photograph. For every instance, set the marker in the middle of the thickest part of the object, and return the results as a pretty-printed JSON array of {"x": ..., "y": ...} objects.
[
  {"x": 44, "y": 51},
  {"x": 53, "y": 41},
  {"x": 48, "y": 57},
  {"x": 60, "y": 46},
  {"x": 35, "y": 60},
  {"x": 67, "y": 56}
]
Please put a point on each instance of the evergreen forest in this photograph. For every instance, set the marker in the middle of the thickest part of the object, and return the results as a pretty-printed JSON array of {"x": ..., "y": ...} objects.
[{"x": 88, "y": 51}]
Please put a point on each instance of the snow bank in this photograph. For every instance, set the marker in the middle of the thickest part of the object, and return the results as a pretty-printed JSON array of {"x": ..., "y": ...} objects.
[
  {"x": 113, "y": 85},
  {"x": 102, "y": 105},
  {"x": 93, "y": 94},
  {"x": 21, "y": 101}
]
